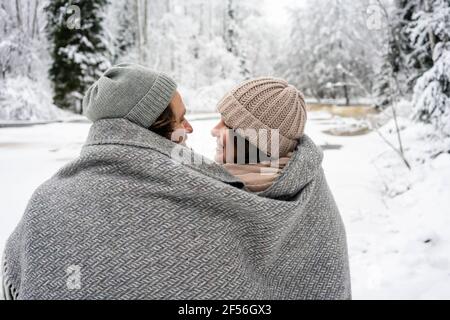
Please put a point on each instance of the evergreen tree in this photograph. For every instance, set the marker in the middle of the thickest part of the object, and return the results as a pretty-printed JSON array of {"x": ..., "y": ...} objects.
[
  {"x": 78, "y": 48},
  {"x": 430, "y": 34},
  {"x": 409, "y": 59},
  {"x": 403, "y": 63}
]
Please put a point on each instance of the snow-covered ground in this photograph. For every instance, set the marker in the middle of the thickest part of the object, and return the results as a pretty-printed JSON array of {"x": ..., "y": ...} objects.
[{"x": 399, "y": 246}]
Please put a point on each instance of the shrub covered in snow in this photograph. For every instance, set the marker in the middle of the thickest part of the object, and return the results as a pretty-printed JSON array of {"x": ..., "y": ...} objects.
[{"x": 24, "y": 99}]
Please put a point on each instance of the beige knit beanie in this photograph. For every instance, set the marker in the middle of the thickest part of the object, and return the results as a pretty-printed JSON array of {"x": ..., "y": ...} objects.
[{"x": 266, "y": 103}]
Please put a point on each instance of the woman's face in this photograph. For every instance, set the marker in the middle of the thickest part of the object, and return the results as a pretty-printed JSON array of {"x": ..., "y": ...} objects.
[{"x": 220, "y": 132}]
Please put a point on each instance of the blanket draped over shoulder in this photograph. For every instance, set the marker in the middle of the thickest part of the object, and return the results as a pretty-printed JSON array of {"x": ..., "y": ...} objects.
[{"x": 131, "y": 219}]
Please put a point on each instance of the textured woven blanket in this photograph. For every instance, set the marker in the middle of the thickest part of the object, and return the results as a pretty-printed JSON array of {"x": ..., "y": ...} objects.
[{"x": 129, "y": 220}]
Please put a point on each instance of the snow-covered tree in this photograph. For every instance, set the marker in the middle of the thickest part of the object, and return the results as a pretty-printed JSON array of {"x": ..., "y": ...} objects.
[
  {"x": 21, "y": 48},
  {"x": 78, "y": 47},
  {"x": 326, "y": 55},
  {"x": 25, "y": 92},
  {"x": 409, "y": 60},
  {"x": 430, "y": 34},
  {"x": 233, "y": 37},
  {"x": 123, "y": 28},
  {"x": 384, "y": 85},
  {"x": 7, "y": 47}
]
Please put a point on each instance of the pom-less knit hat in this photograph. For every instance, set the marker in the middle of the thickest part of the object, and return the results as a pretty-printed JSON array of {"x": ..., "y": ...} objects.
[
  {"x": 129, "y": 91},
  {"x": 266, "y": 103}
]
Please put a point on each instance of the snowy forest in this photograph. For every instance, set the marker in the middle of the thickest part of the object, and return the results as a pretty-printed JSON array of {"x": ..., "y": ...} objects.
[
  {"x": 375, "y": 74},
  {"x": 378, "y": 51}
]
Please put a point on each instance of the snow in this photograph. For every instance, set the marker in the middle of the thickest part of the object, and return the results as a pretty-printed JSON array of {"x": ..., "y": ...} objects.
[{"x": 397, "y": 221}]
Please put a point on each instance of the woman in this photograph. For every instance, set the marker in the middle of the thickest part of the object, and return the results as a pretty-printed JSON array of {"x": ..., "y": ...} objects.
[
  {"x": 276, "y": 160},
  {"x": 276, "y": 111}
]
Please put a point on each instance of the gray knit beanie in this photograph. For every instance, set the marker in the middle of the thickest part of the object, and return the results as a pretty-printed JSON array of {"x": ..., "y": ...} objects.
[
  {"x": 266, "y": 103},
  {"x": 129, "y": 91}
]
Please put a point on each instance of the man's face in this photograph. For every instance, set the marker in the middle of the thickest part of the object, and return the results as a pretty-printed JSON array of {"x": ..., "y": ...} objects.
[{"x": 181, "y": 126}]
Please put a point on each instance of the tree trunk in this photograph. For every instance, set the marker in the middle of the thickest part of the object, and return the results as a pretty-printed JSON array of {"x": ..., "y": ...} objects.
[
  {"x": 210, "y": 20},
  {"x": 28, "y": 14},
  {"x": 225, "y": 24},
  {"x": 18, "y": 15},
  {"x": 202, "y": 19},
  {"x": 34, "y": 23},
  {"x": 229, "y": 28},
  {"x": 346, "y": 93},
  {"x": 145, "y": 23},
  {"x": 145, "y": 31},
  {"x": 139, "y": 29},
  {"x": 431, "y": 34}
]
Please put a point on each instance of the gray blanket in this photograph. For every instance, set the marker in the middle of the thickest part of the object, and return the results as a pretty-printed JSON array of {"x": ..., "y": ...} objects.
[{"x": 127, "y": 221}]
